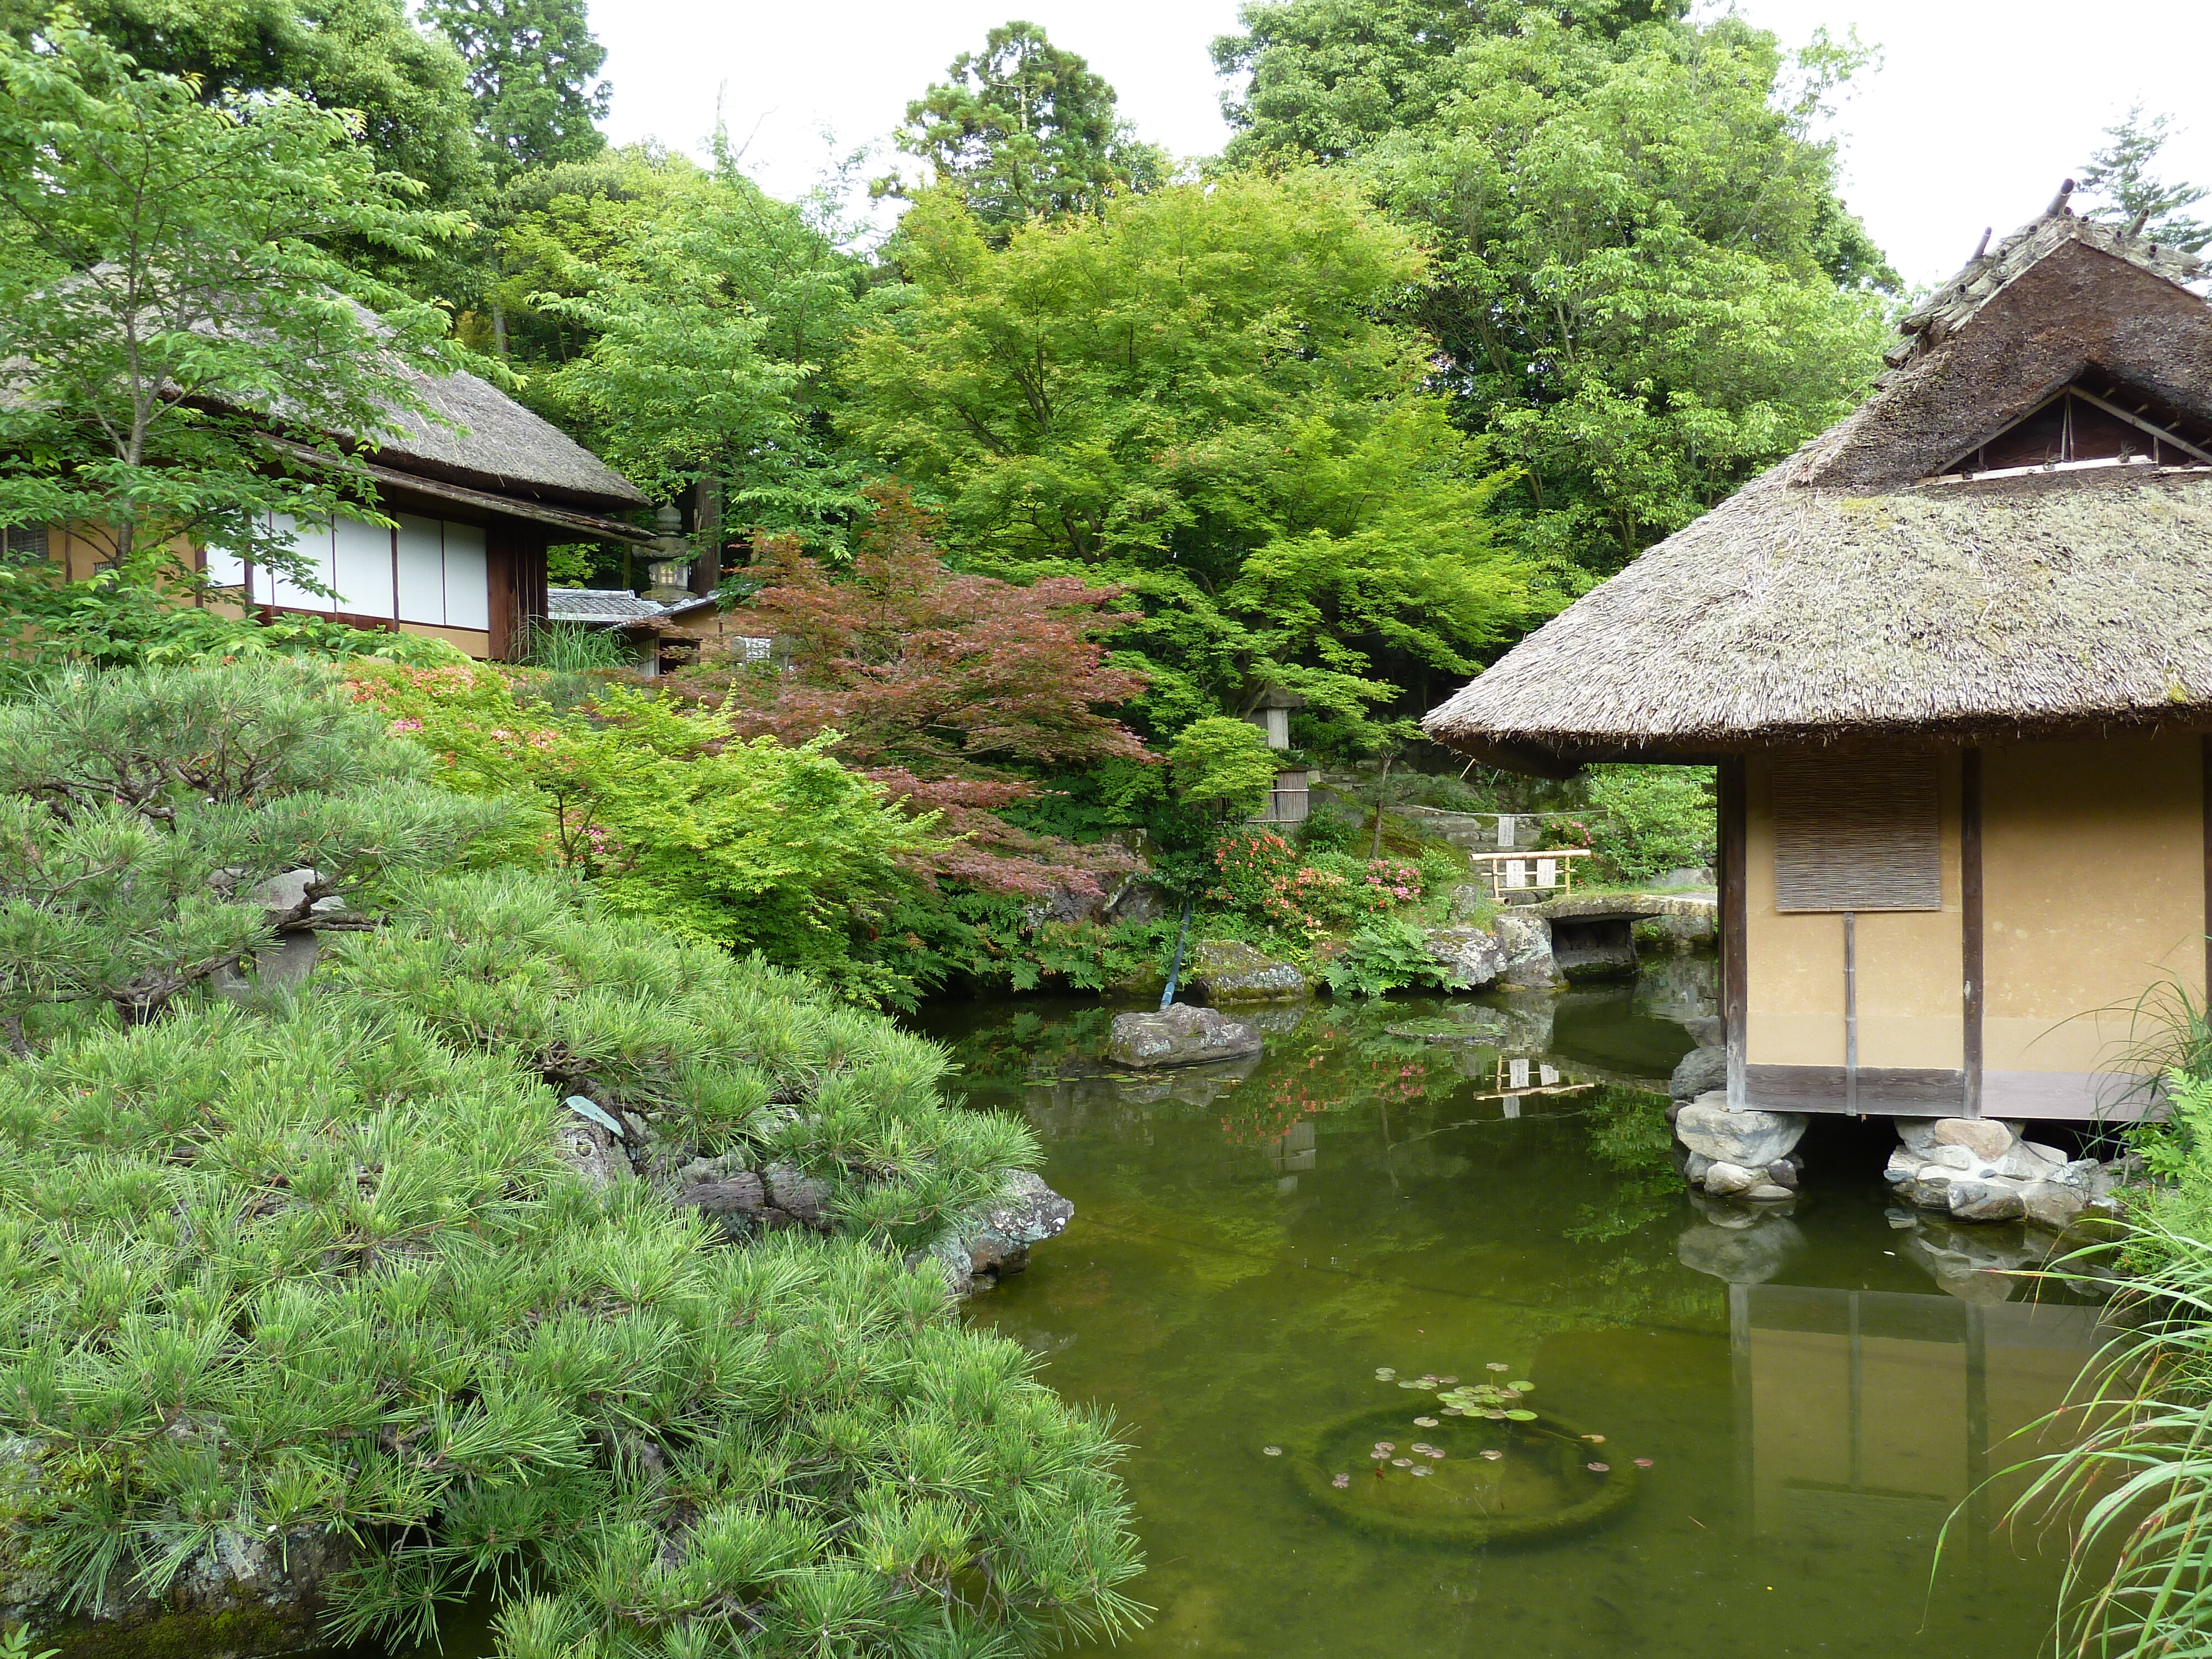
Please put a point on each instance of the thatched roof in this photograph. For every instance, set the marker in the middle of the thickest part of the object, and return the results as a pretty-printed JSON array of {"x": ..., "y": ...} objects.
[
  {"x": 579, "y": 524},
  {"x": 1856, "y": 591},
  {"x": 499, "y": 445}
]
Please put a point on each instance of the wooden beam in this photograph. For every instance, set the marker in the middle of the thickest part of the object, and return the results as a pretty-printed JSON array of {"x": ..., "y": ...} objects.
[
  {"x": 1970, "y": 922},
  {"x": 1735, "y": 933},
  {"x": 1851, "y": 1011}
]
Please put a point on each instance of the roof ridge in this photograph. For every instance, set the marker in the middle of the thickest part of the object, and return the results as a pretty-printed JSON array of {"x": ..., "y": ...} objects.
[{"x": 1958, "y": 301}]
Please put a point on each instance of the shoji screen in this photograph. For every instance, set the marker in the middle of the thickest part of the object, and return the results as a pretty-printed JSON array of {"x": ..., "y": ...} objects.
[{"x": 362, "y": 558}]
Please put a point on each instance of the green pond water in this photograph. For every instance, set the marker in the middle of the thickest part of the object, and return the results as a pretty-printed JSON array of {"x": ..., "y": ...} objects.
[{"x": 1251, "y": 1245}]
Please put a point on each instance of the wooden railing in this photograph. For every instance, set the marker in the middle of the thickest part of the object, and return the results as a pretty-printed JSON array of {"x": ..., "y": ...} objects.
[{"x": 1511, "y": 875}]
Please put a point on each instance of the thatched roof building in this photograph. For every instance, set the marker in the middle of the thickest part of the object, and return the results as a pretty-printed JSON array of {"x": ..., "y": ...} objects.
[
  {"x": 2013, "y": 535},
  {"x": 1953, "y": 659}
]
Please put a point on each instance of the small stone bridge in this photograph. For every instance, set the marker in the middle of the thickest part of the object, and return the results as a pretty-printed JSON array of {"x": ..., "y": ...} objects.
[{"x": 1594, "y": 933}]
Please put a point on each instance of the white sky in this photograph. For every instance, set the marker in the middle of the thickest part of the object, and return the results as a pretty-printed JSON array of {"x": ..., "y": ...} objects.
[{"x": 1978, "y": 108}]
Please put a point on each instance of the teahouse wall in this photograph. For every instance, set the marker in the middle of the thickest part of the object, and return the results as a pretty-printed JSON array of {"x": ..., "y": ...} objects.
[
  {"x": 2094, "y": 879},
  {"x": 1909, "y": 964},
  {"x": 2094, "y": 865}
]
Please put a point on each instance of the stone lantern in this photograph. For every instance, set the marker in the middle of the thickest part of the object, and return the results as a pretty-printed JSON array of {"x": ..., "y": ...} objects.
[{"x": 668, "y": 572}]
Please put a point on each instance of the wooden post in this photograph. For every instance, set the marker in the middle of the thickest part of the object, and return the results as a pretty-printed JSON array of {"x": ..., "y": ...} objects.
[
  {"x": 2204, "y": 746},
  {"x": 1852, "y": 1012},
  {"x": 1734, "y": 926},
  {"x": 1970, "y": 921}
]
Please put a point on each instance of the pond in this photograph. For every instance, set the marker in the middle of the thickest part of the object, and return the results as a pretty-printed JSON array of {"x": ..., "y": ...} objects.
[{"x": 1275, "y": 1256}]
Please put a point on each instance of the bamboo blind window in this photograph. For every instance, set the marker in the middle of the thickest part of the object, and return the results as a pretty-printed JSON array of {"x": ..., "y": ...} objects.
[{"x": 1858, "y": 833}]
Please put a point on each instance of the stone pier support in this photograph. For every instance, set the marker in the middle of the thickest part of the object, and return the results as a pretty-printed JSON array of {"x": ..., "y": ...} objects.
[{"x": 1747, "y": 1154}]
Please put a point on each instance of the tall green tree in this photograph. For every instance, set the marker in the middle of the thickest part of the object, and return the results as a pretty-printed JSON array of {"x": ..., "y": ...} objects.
[
  {"x": 360, "y": 55},
  {"x": 692, "y": 319},
  {"x": 168, "y": 294},
  {"x": 534, "y": 76},
  {"x": 1023, "y": 130},
  {"x": 1324, "y": 78},
  {"x": 1646, "y": 288},
  {"x": 1199, "y": 396},
  {"x": 2121, "y": 174}
]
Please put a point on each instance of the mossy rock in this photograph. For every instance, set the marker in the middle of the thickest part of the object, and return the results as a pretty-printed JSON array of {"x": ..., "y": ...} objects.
[
  {"x": 1479, "y": 1509},
  {"x": 1227, "y": 970}
]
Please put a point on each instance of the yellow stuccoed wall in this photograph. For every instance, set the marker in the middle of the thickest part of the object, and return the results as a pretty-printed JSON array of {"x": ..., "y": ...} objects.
[
  {"x": 2093, "y": 872},
  {"x": 2093, "y": 862},
  {"x": 1910, "y": 965}
]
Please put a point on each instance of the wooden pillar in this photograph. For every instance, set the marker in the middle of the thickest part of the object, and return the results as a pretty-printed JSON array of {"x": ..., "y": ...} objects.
[
  {"x": 2204, "y": 745},
  {"x": 1969, "y": 921},
  {"x": 1735, "y": 932}
]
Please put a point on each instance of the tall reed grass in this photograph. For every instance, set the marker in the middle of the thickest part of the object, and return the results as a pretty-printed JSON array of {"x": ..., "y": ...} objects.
[{"x": 2137, "y": 1483}]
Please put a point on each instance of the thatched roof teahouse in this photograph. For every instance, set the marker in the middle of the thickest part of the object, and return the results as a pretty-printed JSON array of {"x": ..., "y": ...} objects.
[
  {"x": 477, "y": 501},
  {"x": 1953, "y": 661}
]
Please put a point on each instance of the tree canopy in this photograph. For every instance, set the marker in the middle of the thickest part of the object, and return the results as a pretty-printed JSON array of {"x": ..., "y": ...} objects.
[
  {"x": 1023, "y": 130},
  {"x": 1645, "y": 288},
  {"x": 360, "y": 55},
  {"x": 2120, "y": 174},
  {"x": 533, "y": 77},
  {"x": 1199, "y": 396}
]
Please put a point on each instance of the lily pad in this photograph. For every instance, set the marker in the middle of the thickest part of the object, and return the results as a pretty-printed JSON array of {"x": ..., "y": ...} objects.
[
  {"x": 1425, "y": 1422},
  {"x": 1494, "y": 1366},
  {"x": 1522, "y": 1388},
  {"x": 1599, "y": 1468},
  {"x": 1493, "y": 1454},
  {"x": 1420, "y": 1472},
  {"x": 1520, "y": 1417},
  {"x": 1411, "y": 1383},
  {"x": 1339, "y": 1482},
  {"x": 1641, "y": 1462},
  {"x": 1273, "y": 1451}
]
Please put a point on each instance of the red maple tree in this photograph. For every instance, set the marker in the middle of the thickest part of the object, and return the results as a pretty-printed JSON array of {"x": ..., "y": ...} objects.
[{"x": 955, "y": 691}]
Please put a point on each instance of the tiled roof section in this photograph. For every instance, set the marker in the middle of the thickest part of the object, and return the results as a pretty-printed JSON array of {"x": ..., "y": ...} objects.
[{"x": 597, "y": 605}]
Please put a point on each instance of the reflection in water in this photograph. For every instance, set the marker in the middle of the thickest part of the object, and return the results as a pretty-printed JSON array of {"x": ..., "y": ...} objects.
[
  {"x": 1387, "y": 1187},
  {"x": 1874, "y": 1413}
]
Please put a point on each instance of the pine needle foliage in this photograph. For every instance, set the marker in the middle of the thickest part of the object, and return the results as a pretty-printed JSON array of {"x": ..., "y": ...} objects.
[
  {"x": 138, "y": 810},
  {"x": 322, "y": 1273},
  {"x": 315, "y": 1279},
  {"x": 714, "y": 1055}
]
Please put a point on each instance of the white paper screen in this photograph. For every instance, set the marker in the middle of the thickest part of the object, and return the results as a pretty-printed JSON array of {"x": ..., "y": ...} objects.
[
  {"x": 363, "y": 563},
  {"x": 313, "y": 543},
  {"x": 468, "y": 591},
  {"x": 421, "y": 571}
]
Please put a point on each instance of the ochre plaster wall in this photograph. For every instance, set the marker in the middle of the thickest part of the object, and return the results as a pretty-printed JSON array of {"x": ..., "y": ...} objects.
[
  {"x": 2093, "y": 862},
  {"x": 1910, "y": 971}
]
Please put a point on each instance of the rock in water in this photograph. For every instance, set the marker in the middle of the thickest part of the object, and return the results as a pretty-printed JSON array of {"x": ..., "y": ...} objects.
[
  {"x": 1471, "y": 957},
  {"x": 1029, "y": 1213},
  {"x": 1527, "y": 937},
  {"x": 1181, "y": 1035},
  {"x": 1699, "y": 1072},
  {"x": 1986, "y": 1137},
  {"x": 1228, "y": 971},
  {"x": 1750, "y": 1138}
]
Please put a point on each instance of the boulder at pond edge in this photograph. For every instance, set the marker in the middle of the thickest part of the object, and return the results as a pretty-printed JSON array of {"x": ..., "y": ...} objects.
[{"x": 1184, "y": 1035}]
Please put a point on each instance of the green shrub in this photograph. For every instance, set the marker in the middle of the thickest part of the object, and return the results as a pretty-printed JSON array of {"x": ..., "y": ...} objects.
[
  {"x": 1325, "y": 830},
  {"x": 759, "y": 846},
  {"x": 1223, "y": 765},
  {"x": 275, "y": 1278},
  {"x": 1389, "y": 953},
  {"x": 1653, "y": 818}
]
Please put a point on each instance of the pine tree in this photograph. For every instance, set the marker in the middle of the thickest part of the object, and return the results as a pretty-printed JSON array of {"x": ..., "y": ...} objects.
[
  {"x": 2121, "y": 174},
  {"x": 1023, "y": 130},
  {"x": 139, "y": 810},
  {"x": 534, "y": 69}
]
